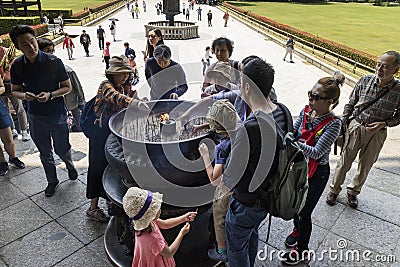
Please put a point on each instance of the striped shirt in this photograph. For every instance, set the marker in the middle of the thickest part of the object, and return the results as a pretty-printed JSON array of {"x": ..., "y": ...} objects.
[
  {"x": 330, "y": 132},
  {"x": 113, "y": 99},
  {"x": 385, "y": 109}
]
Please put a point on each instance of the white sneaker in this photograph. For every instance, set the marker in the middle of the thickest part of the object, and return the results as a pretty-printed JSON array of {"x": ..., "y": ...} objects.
[
  {"x": 25, "y": 136},
  {"x": 14, "y": 133}
]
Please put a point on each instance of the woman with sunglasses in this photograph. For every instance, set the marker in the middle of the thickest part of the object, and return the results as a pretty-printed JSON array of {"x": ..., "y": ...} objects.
[{"x": 317, "y": 127}]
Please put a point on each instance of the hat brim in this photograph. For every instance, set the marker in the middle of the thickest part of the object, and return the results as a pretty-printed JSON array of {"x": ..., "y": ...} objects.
[
  {"x": 119, "y": 70},
  {"x": 150, "y": 214},
  {"x": 213, "y": 72}
]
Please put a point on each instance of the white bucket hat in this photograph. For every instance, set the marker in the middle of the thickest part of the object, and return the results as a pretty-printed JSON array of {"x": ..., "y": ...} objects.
[{"x": 141, "y": 206}]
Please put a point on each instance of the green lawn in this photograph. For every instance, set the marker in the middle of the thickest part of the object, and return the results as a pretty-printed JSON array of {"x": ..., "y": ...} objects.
[
  {"x": 75, "y": 5},
  {"x": 361, "y": 26}
]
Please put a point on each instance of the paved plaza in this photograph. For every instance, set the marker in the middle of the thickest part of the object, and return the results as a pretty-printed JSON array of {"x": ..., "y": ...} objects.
[{"x": 40, "y": 231}]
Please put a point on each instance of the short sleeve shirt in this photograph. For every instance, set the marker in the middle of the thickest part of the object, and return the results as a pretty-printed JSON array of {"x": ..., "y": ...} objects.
[
  {"x": 222, "y": 150},
  {"x": 43, "y": 75},
  {"x": 148, "y": 247}
]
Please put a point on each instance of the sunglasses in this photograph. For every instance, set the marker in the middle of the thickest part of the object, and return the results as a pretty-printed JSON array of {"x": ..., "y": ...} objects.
[
  {"x": 314, "y": 96},
  {"x": 152, "y": 36}
]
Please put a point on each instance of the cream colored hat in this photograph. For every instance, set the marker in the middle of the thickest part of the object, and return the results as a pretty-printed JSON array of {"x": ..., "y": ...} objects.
[
  {"x": 223, "y": 68},
  {"x": 141, "y": 206},
  {"x": 119, "y": 65},
  {"x": 222, "y": 116}
]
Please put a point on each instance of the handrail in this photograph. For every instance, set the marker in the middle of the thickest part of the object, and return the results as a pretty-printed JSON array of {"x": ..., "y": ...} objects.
[{"x": 309, "y": 44}]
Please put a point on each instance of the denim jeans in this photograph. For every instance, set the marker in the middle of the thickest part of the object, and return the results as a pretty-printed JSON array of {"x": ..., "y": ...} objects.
[
  {"x": 303, "y": 222},
  {"x": 242, "y": 224}
]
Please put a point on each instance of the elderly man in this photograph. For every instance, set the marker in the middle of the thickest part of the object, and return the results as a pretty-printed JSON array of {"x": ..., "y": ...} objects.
[
  {"x": 368, "y": 130},
  {"x": 41, "y": 80},
  {"x": 165, "y": 77}
]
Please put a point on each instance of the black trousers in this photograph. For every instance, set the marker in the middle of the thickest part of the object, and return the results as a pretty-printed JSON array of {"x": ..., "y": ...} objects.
[
  {"x": 303, "y": 222},
  {"x": 97, "y": 163},
  {"x": 43, "y": 130},
  {"x": 86, "y": 47},
  {"x": 101, "y": 43}
]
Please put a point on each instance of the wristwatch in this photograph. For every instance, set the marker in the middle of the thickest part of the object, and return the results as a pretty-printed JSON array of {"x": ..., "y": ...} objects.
[{"x": 51, "y": 95}]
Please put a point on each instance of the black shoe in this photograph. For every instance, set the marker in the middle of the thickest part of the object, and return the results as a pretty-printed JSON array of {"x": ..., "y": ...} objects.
[
  {"x": 50, "y": 189},
  {"x": 72, "y": 174},
  {"x": 3, "y": 168},
  {"x": 291, "y": 240},
  {"x": 19, "y": 164},
  {"x": 352, "y": 201},
  {"x": 291, "y": 61}
]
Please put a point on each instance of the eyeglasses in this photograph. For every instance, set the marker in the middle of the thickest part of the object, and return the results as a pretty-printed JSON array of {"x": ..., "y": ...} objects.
[
  {"x": 314, "y": 96},
  {"x": 152, "y": 36}
]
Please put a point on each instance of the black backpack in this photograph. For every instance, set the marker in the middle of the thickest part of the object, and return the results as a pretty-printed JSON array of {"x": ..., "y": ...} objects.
[{"x": 284, "y": 194}]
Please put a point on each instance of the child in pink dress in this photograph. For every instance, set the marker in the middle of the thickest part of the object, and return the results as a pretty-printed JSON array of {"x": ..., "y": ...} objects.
[{"x": 151, "y": 249}]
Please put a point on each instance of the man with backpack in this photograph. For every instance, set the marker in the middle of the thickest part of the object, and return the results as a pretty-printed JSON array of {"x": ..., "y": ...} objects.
[
  {"x": 253, "y": 161},
  {"x": 41, "y": 80}
]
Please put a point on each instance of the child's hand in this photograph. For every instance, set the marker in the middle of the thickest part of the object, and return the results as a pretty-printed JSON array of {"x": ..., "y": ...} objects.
[
  {"x": 185, "y": 229},
  {"x": 190, "y": 216},
  {"x": 203, "y": 149}
]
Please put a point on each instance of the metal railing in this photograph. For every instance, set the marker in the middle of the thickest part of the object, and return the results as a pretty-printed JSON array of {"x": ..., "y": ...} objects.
[{"x": 351, "y": 65}]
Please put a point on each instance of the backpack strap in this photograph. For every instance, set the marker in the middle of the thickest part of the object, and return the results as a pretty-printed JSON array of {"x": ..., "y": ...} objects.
[{"x": 289, "y": 122}]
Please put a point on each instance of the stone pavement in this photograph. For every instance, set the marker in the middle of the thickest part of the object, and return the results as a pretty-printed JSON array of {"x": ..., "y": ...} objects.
[{"x": 40, "y": 231}]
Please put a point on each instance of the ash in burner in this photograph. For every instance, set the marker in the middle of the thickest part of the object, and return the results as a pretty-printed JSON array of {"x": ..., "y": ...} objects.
[{"x": 147, "y": 129}]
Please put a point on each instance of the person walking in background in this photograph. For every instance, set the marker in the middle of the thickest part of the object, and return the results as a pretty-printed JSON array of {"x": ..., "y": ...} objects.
[
  {"x": 187, "y": 14},
  {"x": 183, "y": 7},
  {"x": 199, "y": 13},
  {"x": 106, "y": 55},
  {"x": 367, "y": 127},
  {"x": 289, "y": 49},
  {"x": 317, "y": 128},
  {"x": 101, "y": 34},
  {"x": 144, "y": 6},
  {"x": 61, "y": 22},
  {"x": 85, "y": 41},
  {"x": 209, "y": 18},
  {"x": 151, "y": 249},
  {"x": 137, "y": 11},
  {"x": 7, "y": 138},
  {"x": 113, "y": 29},
  {"x": 226, "y": 17},
  {"x": 206, "y": 59},
  {"x": 41, "y": 80},
  {"x": 67, "y": 43}
]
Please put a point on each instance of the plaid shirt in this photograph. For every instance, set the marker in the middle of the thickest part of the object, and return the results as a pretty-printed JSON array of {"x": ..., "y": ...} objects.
[
  {"x": 386, "y": 109},
  {"x": 110, "y": 100}
]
